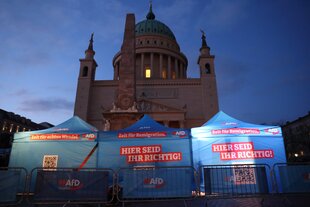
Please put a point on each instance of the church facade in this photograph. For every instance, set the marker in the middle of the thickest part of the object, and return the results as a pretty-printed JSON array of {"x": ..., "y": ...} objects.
[{"x": 150, "y": 77}]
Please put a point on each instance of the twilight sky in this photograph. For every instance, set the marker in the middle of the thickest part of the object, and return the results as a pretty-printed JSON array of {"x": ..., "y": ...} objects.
[{"x": 261, "y": 48}]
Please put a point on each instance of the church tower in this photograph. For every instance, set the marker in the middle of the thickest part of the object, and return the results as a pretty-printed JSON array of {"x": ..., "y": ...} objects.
[
  {"x": 86, "y": 78},
  {"x": 208, "y": 79}
]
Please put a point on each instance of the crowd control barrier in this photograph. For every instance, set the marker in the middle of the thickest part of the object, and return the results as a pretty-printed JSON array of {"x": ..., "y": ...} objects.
[
  {"x": 156, "y": 183},
  {"x": 12, "y": 185},
  {"x": 235, "y": 180},
  {"x": 68, "y": 185},
  {"x": 292, "y": 177}
]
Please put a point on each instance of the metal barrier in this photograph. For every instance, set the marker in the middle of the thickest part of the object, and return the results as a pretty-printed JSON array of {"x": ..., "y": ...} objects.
[
  {"x": 148, "y": 183},
  {"x": 238, "y": 180},
  {"x": 292, "y": 177},
  {"x": 70, "y": 185},
  {"x": 12, "y": 185}
]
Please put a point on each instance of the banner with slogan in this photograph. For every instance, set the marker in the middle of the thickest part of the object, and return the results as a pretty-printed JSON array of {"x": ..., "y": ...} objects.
[
  {"x": 241, "y": 150},
  {"x": 71, "y": 185},
  {"x": 157, "y": 183},
  {"x": 148, "y": 153},
  {"x": 46, "y": 137},
  {"x": 238, "y": 150},
  {"x": 136, "y": 152}
]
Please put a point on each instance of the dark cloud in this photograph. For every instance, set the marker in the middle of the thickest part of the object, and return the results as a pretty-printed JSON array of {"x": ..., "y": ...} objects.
[{"x": 47, "y": 105}]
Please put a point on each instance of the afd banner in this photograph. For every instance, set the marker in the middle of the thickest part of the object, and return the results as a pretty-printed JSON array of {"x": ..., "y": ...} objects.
[
  {"x": 71, "y": 185},
  {"x": 295, "y": 178},
  {"x": 235, "y": 180},
  {"x": 238, "y": 150},
  {"x": 157, "y": 183},
  {"x": 139, "y": 152},
  {"x": 9, "y": 182}
]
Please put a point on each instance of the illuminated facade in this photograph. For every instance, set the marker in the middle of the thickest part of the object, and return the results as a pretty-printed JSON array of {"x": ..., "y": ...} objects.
[
  {"x": 9, "y": 124},
  {"x": 150, "y": 77}
]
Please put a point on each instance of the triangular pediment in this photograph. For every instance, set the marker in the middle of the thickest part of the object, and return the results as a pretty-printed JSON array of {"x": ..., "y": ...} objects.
[{"x": 147, "y": 106}]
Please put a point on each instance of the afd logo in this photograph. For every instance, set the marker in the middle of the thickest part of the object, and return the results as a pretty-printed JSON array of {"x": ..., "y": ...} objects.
[
  {"x": 272, "y": 131},
  {"x": 180, "y": 134},
  {"x": 154, "y": 182},
  {"x": 229, "y": 123},
  {"x": 89, "y": 136},
  {"x": 70, "y": 184}
]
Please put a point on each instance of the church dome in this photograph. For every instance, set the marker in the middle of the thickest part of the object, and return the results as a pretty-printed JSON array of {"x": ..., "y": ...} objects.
[
  {"x": 153, "y": 27},
  {"x": 150, "y": 26}
]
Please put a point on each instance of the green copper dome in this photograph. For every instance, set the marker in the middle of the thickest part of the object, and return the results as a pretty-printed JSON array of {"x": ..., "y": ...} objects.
[{"x": 150, "y": 26}]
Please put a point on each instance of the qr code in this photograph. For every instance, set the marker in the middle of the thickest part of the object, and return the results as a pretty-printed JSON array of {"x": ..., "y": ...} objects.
[
  {"x": 244, "y": 175},
  {"x": 50, "y": 161}
]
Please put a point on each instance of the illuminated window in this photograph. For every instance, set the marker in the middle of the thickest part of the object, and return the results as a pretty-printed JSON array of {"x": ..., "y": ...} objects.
[
  {"x": 17, "y": 128},
  {"x": 164, "y": 74},
  {"x": 147, "y": 72},
  {"x": 4, "y": 126},
  {"x": 11, "y": 128}
]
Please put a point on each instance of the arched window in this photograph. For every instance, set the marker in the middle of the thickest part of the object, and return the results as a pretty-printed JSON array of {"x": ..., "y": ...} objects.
[
  {"x": 85, "y": 71},
  {"x": 207, "y": 68}
]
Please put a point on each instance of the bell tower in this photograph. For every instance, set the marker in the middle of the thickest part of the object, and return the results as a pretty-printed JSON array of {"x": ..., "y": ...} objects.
[
  {"x": 86, "y": 78},
  {"x": 208, "y": 79}
]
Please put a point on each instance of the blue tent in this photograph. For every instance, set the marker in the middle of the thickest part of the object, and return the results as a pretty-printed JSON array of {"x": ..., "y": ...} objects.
[
  {"x": 224, "y": 140},
  {"x": 66, "y": 145},
  {"x": 146, "y": 142}
]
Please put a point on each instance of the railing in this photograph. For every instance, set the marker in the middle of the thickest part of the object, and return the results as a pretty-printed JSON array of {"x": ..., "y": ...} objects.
[
  {"x": 156, "y": 183},
  {"x": 149, "y": 183},
  {"x": 292, "y": 177},
  {"x": 12, "y": 185},
  {"x": 235, "y": 180},
  {"x": 69, "y": 185}
]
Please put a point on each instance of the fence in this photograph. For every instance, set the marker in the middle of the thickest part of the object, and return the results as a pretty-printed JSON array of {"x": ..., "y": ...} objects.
[
  {"x": 12, "y": 185},
  {"x": 235, "y": 180},
  {"x": 61, "y": 185},
  {"x": 156, "y": 183},
  {"x": 292, "y": 177}
]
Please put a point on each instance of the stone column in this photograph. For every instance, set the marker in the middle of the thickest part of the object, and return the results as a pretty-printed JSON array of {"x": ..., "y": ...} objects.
[
  {"x": 169, "y": 67},
  {"x": 142, "y": 66},
  {"x": 176, "y": 68},
  {"x": 181, "y": 70},
  {"x": 160, "y": 66},
  {"x": 151, "y": 66}
]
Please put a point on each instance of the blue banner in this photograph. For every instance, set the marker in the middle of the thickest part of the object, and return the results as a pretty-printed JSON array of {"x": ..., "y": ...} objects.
[
  {"x": 295, "y": 178},
  {"x": 157, "y": 183},
  {"x": 9, "y": 182},
  {"x": 71, "y": 185}
]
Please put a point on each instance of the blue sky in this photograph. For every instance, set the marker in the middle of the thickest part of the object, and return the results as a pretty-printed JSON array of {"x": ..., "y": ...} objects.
[{"x": 261, "y": 48}]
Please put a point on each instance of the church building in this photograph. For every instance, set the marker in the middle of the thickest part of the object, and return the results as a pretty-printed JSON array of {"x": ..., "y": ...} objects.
[{"x": 150, "y": 77}]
